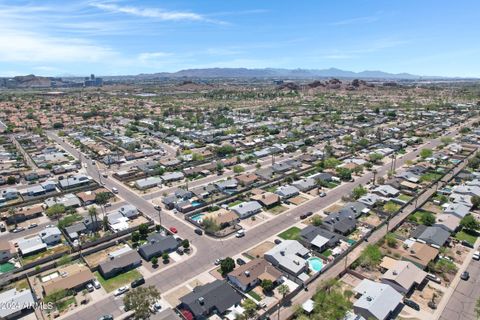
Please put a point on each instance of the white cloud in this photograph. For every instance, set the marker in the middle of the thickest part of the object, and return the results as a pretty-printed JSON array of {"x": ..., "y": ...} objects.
[
  {"x": 154, "y": 13},
  {"x": 147, "y": 56}
]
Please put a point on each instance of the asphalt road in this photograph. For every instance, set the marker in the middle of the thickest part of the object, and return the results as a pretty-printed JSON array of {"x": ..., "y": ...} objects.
[
  {"x": 461, "y": 305},
  {"x": 207, "y": 248}
]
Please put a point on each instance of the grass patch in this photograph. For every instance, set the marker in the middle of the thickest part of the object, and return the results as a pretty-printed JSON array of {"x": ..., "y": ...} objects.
[
  {"x": 64, "y": 304},
  {"x": 119, "y": 280},
  {"x": 234, "y": 203},
  {"x": 277, "y": 209},
  {"x": 70, "y": 219},
  {"x": 255, "y": 295},
  {"x": 331, "y": 184},
  {"x": 466, "y": 236},
  {"x": 43, "y": 254},
  {"x": 327, "y": 253},
  {"x": 428, "y": 177},
  {"x": 291, "y": 234},
  {"x": 405, "y": 197}
]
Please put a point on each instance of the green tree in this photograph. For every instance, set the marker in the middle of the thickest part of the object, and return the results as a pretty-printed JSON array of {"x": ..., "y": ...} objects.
[
  {"x": 66, "y": 259},
  {"x": 165, "y": 257},
  {"x": 55, "y": 211},
  {"x": 331, "y": 163},
  {"x": 143, "y": 230},
  {"x": 250, "y": 308},
  {"x": 390, "y": 207},
  {"x": 344, "y": 173},
  {"x": 227, "y": 265},
  {"x": 154, "y": 261},
  {"x": 13, "y": 214},
  {"x": 316, "y": 220},
  {"x": 391, "y": 240},
  {"x": 375, "y": 157},
  {"x": 92, "y": 212},
  {"x": 135, "y": 236},
  {"x": 330, "y": 302},
  {"x": 210, "y": 225},
  {"x": 425, "y": 153},
  {"x": 139, "y": 301},
  {"x": 284, "y": 290},
  {"x": 11, "y": 180},
  {"x": 267, "y": 285},
  {"x": 469, "y": 222},
  {"x": 475, "y": 200},
  {"x": 185, "y": 243},
  {"x": 238, "y": 169},
  {"x": 359, "y": 191},
  {"x": 427, "y": 218},
  {"x": 371, "y": 256}
]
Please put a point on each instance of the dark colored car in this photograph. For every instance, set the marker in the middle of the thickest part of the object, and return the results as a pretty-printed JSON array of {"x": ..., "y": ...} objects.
[
  {"x": 412, "y": 304},
  {"x": 198, "y": 231},
  {"x": 106, "y": 317},
  {"x": 277, "y": 241},
  {"x": 465, "y": 275},
  {"x": 306, "y": 215},
  {"x": 240, "y": 262},
  {"x": 137, "y": 282}
]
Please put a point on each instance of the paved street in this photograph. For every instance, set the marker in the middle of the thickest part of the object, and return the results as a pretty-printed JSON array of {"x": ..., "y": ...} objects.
[{"x": 210, "y": 249}]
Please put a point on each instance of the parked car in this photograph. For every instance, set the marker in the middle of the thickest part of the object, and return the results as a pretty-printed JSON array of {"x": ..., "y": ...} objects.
[
  {"x": 240, "y": 233},
  {"x": 467, "y": 244},
  {"x": 322, "y": 194},
  {"x": 18, "y": 229},
  {"x": 121, "y": 291},
  {"x": 411, "y": 304},
  {"x": 137, "y": 282},
  {"x": 218, "y": 261},
  {"x": 105, "y": 175},
  {"x": 198, "y": 231},
  {"x": 157, "y": 207},
  {"x": 433, "y": 278},
  {"x": 240, "y": 261},
  {"x": 114, "y": 190},
  {"x": 90, "y": 287},
  {"x": 154, "y": 308},
  {"x": 476, "y": 255},
  {"x": 465, "y": 275},
  {"x": 93, "y": 162},
  {"x": 108, "y": 204},
  {"x": 306, "y": 215},
  {"x": 32, "y": 225},
  {"x": 96, "y": 284},
  {"x": 173, "y": 229},
  {"x": 106, "y": 317}
]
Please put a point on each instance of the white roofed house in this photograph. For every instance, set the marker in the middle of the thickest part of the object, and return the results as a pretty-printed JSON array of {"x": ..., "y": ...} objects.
[
  {"x": 289, "y": 256},
  {"x": 8, "y": 194},
  {"x": 286, "y": 192},
  {"x": 386, "y": 191},
  {"x": 17, "y": 302},
  {"x": 51, "y": 235},
  {"x": 30, "y": 245},
  {"x": 376, "y": 300},
  {"x": 247, "y": 209}
]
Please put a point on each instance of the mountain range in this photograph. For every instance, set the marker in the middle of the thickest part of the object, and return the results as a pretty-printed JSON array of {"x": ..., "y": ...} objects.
[{"x": 281, "y": 73}]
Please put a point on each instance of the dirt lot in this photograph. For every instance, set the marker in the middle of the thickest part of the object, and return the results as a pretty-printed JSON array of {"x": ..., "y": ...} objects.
[
  {"x": 173, "y": 298},
  {"x": 424, "y": 296},
  {"x": 429, "y": 206},
  {"x": 260, "y": 249},
  {"x": 333, "y": 208},
  {"x": 297, "y": 200},
  {"x": 94, "y": 259},
  {"x": 371, "y": 219}
]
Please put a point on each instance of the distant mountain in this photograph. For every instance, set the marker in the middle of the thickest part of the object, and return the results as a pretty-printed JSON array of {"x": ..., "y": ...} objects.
[{"x": 280, "y": 73}]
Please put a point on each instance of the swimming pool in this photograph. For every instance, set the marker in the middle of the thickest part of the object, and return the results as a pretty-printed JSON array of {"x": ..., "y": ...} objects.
[
  {"x": 196, "y": 203},
  {"x": 197, "y": 217},
  {"x": 315, "y": 264}
]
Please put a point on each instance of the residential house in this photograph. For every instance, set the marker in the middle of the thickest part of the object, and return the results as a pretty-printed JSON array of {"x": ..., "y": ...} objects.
[
  {"x": 371, "y": 199},
  {"x": 172, "y": 176},
  {"x": 5, "y": 251},
  {"x": 420, "y": 253},
  {"x": 342, "y": 222},
  {"x": 434, "y": 236},
  {"x": 286, "y": 192},
  {"x": 252, "y": 273},
  {"x": 449, "y": 222},
  {"x": 457, "y": 209},
  {"x": 17, "y": 302},
  {"x": 156, "y": 245},
  {"x": 247, "y": 179},
  {"x": 147, "y": 183},
  {"x": 267, "y": 199},
  {"x": 404, "y": 276},
  {"x": 386, "y": 191},
  {"x": 229, "y": 185},
  {"x": 74, "y": 182},
  {"x": 119, "y": 264},
  {"x": 247, "y": 209},
  {"x": 289, "y": 256},
  {"x": 209, "y": 299},
  {"x": 376, "y": 300},
  {"x": 318, "y": 239},
  {"x": 30, "y": 245},
  {"x": 305, "y": 185},
  {"x": 51, "y": 235},
  {"x": 71, "y": 277}
]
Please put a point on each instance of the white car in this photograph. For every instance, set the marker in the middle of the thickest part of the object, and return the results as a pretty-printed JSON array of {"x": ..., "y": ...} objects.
[
  {"x": 240, "y": 233},
  {"x": 121, "y": 291},
  {"x": 476, "y": 255},
  {"x": 154, "y": 308},
  {"x": 96, "y": 284},
  {"x": 114, "y": 190},
  {"x": 90, "y": 287}
]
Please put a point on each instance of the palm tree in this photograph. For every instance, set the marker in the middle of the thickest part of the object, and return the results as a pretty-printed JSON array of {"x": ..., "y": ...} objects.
[
  {"x": 283, "y": 290},
  {"x": 92, "y": 211}
]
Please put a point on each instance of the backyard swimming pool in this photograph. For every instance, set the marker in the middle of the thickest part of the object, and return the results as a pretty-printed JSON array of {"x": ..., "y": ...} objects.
[
  {"x": 315, "y": 264},
  {"x": 197, "y": 217}
]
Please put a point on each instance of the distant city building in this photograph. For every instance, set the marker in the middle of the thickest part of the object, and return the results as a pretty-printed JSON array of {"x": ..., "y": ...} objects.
[{"x": 92, "y": 81}]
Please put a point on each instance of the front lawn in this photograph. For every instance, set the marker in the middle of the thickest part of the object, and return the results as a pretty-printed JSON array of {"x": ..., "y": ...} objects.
[
  {"x": 291, "y": 234},
  {"x": 429, "y": 177},
  {"x": 255, "y": 295},
  {"x": 277, "y": 209},
  {"x": 465, "y": 235},
  {"x": 119, "y": 280},
  {"x": 231, "y": 204},
  {"x": 405, "y": 197}
]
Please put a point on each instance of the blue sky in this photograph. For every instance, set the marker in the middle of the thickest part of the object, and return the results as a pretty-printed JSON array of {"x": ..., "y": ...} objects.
[{"x": 129, "y": 37}]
